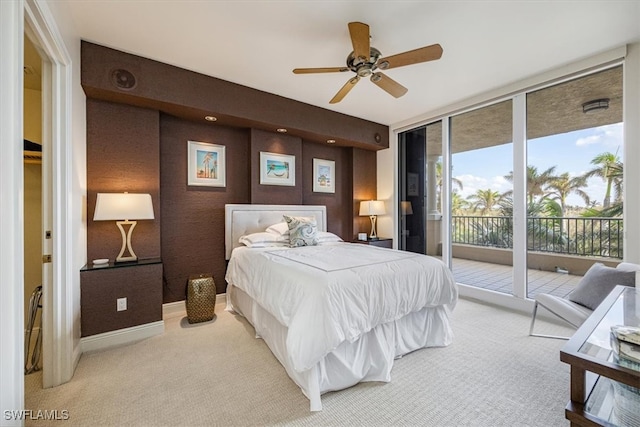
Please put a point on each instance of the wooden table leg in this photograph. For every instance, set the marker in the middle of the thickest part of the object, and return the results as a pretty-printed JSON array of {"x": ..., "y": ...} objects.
[{"x": 577, "y": 385}]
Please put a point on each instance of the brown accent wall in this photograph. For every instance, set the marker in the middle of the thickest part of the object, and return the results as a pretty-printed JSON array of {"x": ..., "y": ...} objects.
[
  {"x": 277, "y": 143},
  {"x": 364, "y": 186},
  {"x": 123, "y": 154},
  {"x": 338, "y": 204},
  {"x": 191, "y": 95},
  {"x": 193, "y": 216},
  {"x": 144, "y": 149},
  {"x": 100, "y": 289}
]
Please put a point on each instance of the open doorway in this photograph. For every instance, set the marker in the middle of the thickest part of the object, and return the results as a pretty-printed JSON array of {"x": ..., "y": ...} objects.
[
  {"x": 60, "y": 299},
  {"x": 32, "y": 190}
]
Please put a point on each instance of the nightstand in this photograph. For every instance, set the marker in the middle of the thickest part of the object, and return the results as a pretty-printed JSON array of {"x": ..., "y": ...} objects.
[
  {"x": 380, "y": 242},
  {"x": 138, "y": 286}
]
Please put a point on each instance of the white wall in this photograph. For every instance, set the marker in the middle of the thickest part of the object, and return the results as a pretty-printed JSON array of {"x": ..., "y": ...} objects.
[
  {"x": 75, "y": 177},
  {"x": 632, "y": 153},
  {"x": 386, "y": 190},
  {"x": 11, "y": 220}
]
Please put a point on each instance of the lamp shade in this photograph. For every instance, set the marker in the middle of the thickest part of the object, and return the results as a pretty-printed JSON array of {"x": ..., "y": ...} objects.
[
  {"x": 406, "y": 208},
  {"x": 372, "y": 207},
  {"x": 123, "y": 206}
]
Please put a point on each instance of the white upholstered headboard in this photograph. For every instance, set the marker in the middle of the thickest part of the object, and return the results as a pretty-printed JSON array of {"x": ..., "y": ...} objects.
[{"x": 244, "y": 219}]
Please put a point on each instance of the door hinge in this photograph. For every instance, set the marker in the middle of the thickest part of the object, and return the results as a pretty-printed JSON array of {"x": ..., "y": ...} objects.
[
  {"x": 46, "y": 259},
  {"x": 47, "y": 234}
]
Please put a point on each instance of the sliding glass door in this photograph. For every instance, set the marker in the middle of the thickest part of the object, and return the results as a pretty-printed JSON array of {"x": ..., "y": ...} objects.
[
  {"x": 420, "y": 190},
  {"x": 574, "y": 180},
  {"x": 533, "y": 187},
  {"x": 481, "y": 197}
]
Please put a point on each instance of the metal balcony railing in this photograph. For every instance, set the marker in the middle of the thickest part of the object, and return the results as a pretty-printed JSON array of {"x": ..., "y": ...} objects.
[{"x": 572, "y": 236}]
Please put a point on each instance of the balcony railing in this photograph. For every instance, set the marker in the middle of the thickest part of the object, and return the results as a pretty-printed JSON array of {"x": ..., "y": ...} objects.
[{"x": 572, "y": 236}]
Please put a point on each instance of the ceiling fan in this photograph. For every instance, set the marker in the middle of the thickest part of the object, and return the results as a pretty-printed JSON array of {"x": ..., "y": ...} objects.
[{"x": 365, "y": 60}]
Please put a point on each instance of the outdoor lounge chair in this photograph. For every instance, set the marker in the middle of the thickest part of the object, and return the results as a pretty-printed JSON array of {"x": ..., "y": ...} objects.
[{"x": 592, "y": 289}]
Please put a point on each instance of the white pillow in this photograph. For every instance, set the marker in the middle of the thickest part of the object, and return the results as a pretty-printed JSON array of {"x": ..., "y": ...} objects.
[
  {"x": 263, "y": 240},
  {"x": 327, "y": 237},
  {"x": 281, "y": 229},
  {"x": 627, "y": 266}
]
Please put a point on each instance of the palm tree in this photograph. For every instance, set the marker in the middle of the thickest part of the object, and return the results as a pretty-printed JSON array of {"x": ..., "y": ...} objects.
[
  {"x": 458, "y": 204},
  {"x": 536, "y": 182},
  {"x": 485, "y": 200},
  {"x": 563, "y": 186},
  {"x": 455, "y": 182},
  {"x": 608, "y": 167}
]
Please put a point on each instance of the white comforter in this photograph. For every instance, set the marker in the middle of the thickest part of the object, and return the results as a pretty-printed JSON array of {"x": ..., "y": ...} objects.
[{"x": 325, "y": 295}]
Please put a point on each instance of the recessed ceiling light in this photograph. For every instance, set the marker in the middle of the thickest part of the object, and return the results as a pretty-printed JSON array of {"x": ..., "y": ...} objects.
[
  {"x": 210, "y": 118},
  {"x": 331, "y": 141},
  {"x": 282, "y": 130}
]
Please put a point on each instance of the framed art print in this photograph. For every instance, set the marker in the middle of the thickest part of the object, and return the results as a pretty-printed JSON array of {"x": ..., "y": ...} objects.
[
  {"x": 206, "y": 164},
  {"x": 277, "y": 169},
  {"x": 412, "y": 184},
  {"x": 324, "y": 176}
]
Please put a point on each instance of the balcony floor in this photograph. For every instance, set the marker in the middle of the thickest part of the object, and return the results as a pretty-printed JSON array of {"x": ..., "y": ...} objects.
[{"x": 498, "y": 278}]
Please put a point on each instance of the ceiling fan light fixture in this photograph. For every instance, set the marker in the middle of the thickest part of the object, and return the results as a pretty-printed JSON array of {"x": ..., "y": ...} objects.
[
  {"x": 595, "y": 105},
  {"x": 365, "y": 60}
]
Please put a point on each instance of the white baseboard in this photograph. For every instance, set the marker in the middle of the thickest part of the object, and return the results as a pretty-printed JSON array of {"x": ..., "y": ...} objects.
[{"x": 121, "y": 336}]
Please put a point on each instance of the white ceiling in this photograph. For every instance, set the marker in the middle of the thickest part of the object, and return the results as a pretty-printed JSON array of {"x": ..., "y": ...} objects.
[{"x": 487, "y": 44}]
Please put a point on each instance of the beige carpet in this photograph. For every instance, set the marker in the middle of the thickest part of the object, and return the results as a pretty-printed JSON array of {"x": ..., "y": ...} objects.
[{"x": 218, "y": 374}]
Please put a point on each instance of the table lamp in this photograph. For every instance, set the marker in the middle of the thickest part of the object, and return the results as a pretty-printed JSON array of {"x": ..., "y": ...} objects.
[
  {"x": 405, "y": 210},
  {"x": 124, "y": 208},
  {"x": 372, "y": 208}
]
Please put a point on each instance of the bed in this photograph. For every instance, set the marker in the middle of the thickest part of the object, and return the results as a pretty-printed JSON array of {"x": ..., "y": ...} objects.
[{"x": 333, "y": 314}]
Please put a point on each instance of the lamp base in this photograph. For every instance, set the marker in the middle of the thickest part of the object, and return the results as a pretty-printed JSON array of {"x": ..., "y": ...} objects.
[
  {"x": 122, "y": 259},
  {"x": 126, "y": 242},
  {"x": 373, "y": 235}
]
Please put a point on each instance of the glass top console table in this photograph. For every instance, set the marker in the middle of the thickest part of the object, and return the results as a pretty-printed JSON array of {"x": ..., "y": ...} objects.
[{"x": 604, "y": 389}]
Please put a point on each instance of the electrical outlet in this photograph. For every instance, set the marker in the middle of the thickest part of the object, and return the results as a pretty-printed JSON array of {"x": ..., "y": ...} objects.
[{"x": 122, "y": 304}]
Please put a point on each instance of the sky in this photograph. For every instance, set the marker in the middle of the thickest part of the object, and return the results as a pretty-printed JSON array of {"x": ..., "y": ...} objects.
[{"x": 570, "y": 152}]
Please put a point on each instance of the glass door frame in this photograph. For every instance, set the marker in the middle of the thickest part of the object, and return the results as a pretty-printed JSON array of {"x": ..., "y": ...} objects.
[{"x": 519, "y": 298}]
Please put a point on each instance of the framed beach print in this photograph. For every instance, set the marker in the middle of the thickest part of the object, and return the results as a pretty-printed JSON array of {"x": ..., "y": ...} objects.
[
  {"x": 205, "y": 164},
  {"x": 324, "y": 176},
  {"x": 277, "y": 169},
  {"x": 412, "y": 184}
]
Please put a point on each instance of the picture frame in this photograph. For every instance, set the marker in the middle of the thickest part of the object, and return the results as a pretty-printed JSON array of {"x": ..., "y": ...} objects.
[
  {"x": 324, "y": 176},
  {"x": 206, "y": 164},
  {"x": 412, "y": 184},
  {"x": 277, "y": 169}
]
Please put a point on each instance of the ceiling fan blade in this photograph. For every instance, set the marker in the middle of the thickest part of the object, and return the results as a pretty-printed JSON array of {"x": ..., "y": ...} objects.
[
  {"x": 360, "y": 39},
  {"x": 423, "y": 54},
  {"x": 320, "y": 70},
  {"x": 388, "y": 84},
  {"x": 344, "y": 90}
]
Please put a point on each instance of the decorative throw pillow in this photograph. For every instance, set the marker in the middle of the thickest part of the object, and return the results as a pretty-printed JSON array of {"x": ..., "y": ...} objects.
[
  {"x": 598, "y": 282},
  {"x": 303, "y": 231}
]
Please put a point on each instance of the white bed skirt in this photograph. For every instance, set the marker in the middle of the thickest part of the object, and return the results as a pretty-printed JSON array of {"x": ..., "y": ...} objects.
[{"x": 370, "y": 358}]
